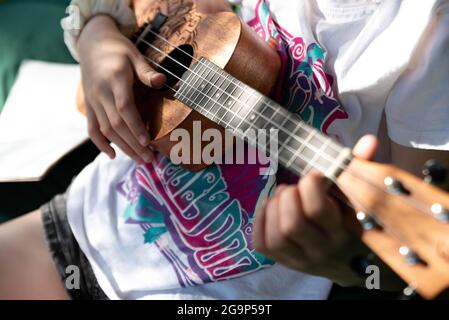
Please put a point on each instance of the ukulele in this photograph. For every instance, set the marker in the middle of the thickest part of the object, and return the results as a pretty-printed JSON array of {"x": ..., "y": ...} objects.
[{"x": 220, "y": 73}]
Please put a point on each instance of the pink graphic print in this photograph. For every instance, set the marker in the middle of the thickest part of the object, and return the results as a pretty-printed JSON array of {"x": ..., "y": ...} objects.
[
  {"x": 309, "y": 90},
  {"x": 200, "y": 224}
]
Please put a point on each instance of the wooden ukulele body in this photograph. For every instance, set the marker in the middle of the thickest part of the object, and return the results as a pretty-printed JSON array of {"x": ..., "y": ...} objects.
[{"x": 223, "y": 39}]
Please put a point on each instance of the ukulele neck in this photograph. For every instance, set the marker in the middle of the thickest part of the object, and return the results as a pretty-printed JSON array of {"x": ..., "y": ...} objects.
[{"x": 217, "y": 95}]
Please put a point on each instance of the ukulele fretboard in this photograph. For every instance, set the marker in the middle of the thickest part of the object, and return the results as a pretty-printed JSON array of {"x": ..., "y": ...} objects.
[{"x": 217, "y": 95}]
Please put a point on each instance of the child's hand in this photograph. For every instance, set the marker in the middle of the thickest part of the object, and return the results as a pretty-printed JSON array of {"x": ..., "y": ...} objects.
[
  {"x": 109, "y": 62},
  {"x": 301, "y": 226}
]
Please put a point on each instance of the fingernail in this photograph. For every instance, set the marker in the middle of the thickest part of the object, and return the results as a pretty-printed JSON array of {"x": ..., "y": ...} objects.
[
  {"x": 144, "y": 140},
  {"x": 148, "y": 156},
  {"x": 158, "y": 80}
]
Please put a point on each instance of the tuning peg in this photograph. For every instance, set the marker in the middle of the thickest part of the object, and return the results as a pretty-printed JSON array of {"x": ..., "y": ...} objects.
[
  {"x": 410, "y": 256},
  {"x": 368, "y": 222},
  {"x": 440, "y": 212},
  {"x": 409, "y": 293},
  {"x": 395, "y": 186},
  {"x": 434, "y": 172}
]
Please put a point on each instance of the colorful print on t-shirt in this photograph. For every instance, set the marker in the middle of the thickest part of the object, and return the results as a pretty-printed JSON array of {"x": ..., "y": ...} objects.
[{"x": 202, "y": 222}]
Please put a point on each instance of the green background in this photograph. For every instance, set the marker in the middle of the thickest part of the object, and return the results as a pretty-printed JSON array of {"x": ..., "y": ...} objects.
[{"x": 29, "y": 30}]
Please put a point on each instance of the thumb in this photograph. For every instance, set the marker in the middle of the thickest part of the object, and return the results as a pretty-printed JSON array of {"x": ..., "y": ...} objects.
[
  {"x": 366, "y": 147},
  {"x": 147, "y": 74}
]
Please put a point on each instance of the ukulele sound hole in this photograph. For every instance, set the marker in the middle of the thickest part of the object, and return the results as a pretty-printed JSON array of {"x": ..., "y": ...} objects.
[{"x": 176, "y": 64}]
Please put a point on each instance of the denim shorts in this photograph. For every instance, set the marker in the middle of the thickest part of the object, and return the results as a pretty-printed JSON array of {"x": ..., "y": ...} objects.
[{"x": 66, "y": 252}]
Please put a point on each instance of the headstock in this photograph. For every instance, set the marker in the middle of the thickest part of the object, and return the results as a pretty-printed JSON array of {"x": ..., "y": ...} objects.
[{"x": 405, "y": 221}]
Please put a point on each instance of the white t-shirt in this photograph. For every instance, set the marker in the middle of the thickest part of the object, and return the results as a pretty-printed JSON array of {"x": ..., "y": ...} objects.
[{"x": 158, "y": 231}]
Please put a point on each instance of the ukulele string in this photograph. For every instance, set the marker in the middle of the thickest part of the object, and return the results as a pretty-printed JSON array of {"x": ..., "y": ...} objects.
[
  {"x": 300, "y": 170},
  {"x": 300, "y": 140},
  {"x": 323, "y": 139},
  {"x": 347, "y": 169},
  {"x": 175, "y": 91}
]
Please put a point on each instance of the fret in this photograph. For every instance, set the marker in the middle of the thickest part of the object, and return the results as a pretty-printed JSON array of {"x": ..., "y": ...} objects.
[
  {"x": 187, "y": 88},
  {"x": 257, "y": 120},
  {"x": 286, "y": 135},
  {"x": 214, "y": 94},
  {"x": 208, "y": 78},
  {"x": 298, "y": 151},
  {"x": 181, "y": 93},
  {"x": 233, "y": 100},
  {"x": 246, "y": 101},
  {"x": 339, "y": 163},
  {"x": 285, "y": 153},
  {"x": 219, "y": 92},
  {"x": 309, "y": 152},
  {"x": 194, "y": 90},
  {"x": 298, "y": 133},
  {"x": 251, "y": 105},
  {"x": 316, "y": 156},
  {"x": 226, "y": 100},
  {"x": 332, "y": 155},
  {"x": 268, "y": 113},
  {"x": 301, "y": 129},
  {"x": 287, "y": 116},
  {"x": 251, "y": 109},
  {"x": 241, "y": 103},
  {"x": 191, "y": 93},
  {"x": 209, "y": 90},
  {"x": 293, "y": 124},
  {"x": 209, "y": 96},
  {"x": 334, "y": 150},
  {"x": 205, "y": 87},
  {"x": 253, "y": 113},
  {"x": 198, "y": 92},
  {"x": 280, "y": 116}
]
